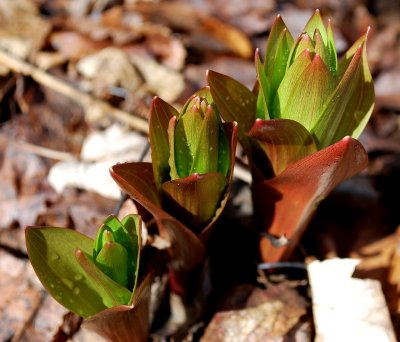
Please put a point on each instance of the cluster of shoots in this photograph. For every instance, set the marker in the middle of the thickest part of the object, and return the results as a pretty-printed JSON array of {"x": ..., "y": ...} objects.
[{"x": 297, "y": 127}]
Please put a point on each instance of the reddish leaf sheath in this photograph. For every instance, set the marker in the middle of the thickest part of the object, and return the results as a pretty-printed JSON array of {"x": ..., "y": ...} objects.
[{"x": 287, "y": 202}]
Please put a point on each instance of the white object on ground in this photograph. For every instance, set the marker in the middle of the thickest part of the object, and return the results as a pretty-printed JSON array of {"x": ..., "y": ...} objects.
[
  {"x": 346, "y": 308},
  {"x": 100, "y": 151}
]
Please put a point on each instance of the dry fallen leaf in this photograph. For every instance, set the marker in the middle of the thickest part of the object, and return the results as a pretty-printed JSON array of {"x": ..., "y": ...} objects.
[
  {"x": 162, "y": 81},
  {"x": 22, "y": 30},
  {"x": 19, "y": 300},
  {"x": 23, "y": 195},
  {"x": 74, "y": 45},
  {"x": 381, "y": 261},
  {"x": 109, "y": 67},
  {"x": 269, "y": 316},
  {"x": 211, "y": 32}
]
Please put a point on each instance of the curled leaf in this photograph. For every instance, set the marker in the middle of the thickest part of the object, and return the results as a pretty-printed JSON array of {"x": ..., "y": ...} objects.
[
  {"x": 136, "y": 179},
  {"x": 291, "y": 198},
  {"x": 160, "y": 114},
  {"x": 60, "y": 258},
  {"x": 283, "y": 141}
]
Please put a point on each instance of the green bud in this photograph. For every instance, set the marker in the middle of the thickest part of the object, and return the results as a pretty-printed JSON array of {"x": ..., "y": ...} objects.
[
  {"x": 113, "y": 261},
  {"x": 303, "y": 81},
  {"x": 115, "y": 250},
  {"x": 88, "y": 276},
  {"x": 197, "y": 141}
]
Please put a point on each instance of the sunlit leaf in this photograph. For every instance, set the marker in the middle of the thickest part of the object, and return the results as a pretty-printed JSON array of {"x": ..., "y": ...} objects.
[
  {"x": 113, "y": 261},
  {"x": 206, "y": 150},
  {"x": 304, "y": 90},
  {"x": 56, "y": 254},
  {"x": 277, "y": 52},
  {"x": 314, "y": 23},
  {"x": 274, "y": 39},
  {"x": 133, "y": 225},
  {"x": 184, "y": 139},
  {"x": 278, "y": 68},
  {"x": 283, "y": 141},
  {"x": 303, "y": 43},
  {"x": 348, "y": 109},
  {"x": 333, "y": 62},
  {"x": 202, "y": 93},
  {"x": 196, "y": 197},
  {"x": 286, "y": 203},
  {"x": 322, "y": 49},
  {"x": 264, "y": 89},
  {"x": 160, "y": 114},
  {"x": 234, "y": 101}
]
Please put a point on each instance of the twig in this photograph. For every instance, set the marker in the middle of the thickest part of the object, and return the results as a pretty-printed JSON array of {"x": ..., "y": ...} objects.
[
  {"x": 287, "y": 264},
  {"x": 87, "y": 101},
  {"x": 43, "y": 151},
  {"x": 38, "y": 150}
]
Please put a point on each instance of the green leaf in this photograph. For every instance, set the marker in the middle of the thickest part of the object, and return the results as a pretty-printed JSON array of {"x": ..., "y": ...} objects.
[
  {"x": 303, "y": 43},
  {"x": 276, "y": 69},
  {"x": 113, "y": 261},
  {"x": 133, "y": 225},
  {"x": 113, "y": 293},
  {"x": 273, "y": 41},
  {"x": 160, "y": 114},
  {"x": 349, "y": 108},
  {"x": 186, "y": 138},
  {"x": 314, "y": 23},
  {"x": 203, "y": 93},
  {"x": 321, "y": 49},
  {"x": 333, "y": 62},
  {"x": 304, "y": 90},
  {"x": 234, "y": 101},
  {"x": 224, "y": 152},
  {"x": 277, "y": 52},
  {"x": 205, "y": 158},
  {"x": 283, "y": 141},
  {"x": 125, "y": 233},
  {"x": 285, "y": 204},
  {"x": 83, "y": 290},
  {"x": 265, "y": 91},
  {"x": 195, "y": 198}
]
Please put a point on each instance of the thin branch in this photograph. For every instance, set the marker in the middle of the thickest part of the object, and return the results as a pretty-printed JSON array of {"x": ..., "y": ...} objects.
[
  {"x": 38, "y": 150},
  {"x": 87, "y": 101}
]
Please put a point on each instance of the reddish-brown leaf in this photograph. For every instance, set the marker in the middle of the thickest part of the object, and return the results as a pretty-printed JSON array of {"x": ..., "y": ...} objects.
[
  {"x": 285, "y": 204},
  {"x": 284, "y": 141},
  {"x": 137, "y": 180},
  {"x": 125, "y": 322},
  {"x": 160, "y": 114},
  {"x": 195, "y": 197}
]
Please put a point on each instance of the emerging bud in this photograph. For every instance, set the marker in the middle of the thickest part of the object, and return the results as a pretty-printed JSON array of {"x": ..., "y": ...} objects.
[
  {"x": 303, "y": 81},
  {"x": 197, "y": 141},
  {"x": 114, "y": 250},
  {"x": 88, "y": 276},
  {"x": 192, "y": 159}
]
